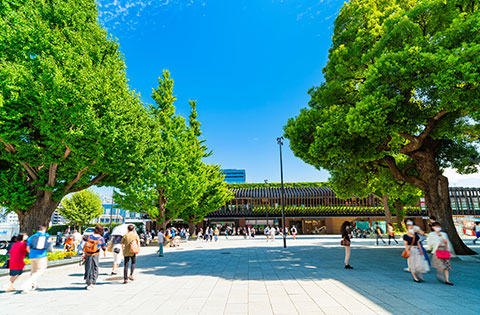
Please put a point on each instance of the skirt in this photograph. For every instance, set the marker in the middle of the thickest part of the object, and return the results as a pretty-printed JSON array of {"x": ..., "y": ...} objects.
[{"x": 416, "y": 261}]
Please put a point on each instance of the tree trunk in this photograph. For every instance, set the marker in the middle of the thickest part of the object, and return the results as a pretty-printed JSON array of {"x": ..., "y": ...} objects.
[
  {"x": 191, "y": 227},
  {"x": 39, "y": 214},
  {"x": 386, "y": 207},
  {"x": 399, "y": 212},
  {"x": 437, "y": 197}
]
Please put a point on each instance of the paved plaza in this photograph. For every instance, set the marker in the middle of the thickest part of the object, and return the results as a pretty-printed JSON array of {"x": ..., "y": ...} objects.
[{"x": 238, "y": 276}]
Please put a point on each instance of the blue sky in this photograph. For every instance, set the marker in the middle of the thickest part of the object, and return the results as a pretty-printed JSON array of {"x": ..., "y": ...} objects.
[{"x": 249, "y": 64}]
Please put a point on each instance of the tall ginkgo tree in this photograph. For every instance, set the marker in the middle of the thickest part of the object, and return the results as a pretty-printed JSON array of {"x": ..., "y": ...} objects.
[{"x": 68, "y": 119}]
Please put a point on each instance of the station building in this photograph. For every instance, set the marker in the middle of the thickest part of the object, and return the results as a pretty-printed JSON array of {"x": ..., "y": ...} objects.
[{"x": 314, "y": 208}]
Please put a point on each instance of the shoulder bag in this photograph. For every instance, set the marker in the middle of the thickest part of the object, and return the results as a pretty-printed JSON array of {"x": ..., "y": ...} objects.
[{"x": 406, "y": 252}]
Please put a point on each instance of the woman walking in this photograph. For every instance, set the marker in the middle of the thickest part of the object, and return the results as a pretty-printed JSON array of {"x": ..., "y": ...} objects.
[
  {"x": 391, "y": 233},
  {"x": 346, "y": 242},
  {"x": 17, "y": 252},
  {"x": 117, "y": 253},
  {"x": 438, "y": 243},
  {"x": 413, "y": 252},
  {"x": 91, "y": 250}
]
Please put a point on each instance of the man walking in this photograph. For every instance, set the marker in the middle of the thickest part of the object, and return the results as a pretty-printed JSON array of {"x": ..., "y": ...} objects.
[
  {"x": 37, "y": 245},
  {"x": 131, "y": 247},
  {"x": 160, "y": 243},
  {"x": 379, "y": 233}
]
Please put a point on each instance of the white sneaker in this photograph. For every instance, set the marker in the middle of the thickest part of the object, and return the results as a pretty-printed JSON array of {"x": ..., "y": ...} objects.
[{"x": 89, "y": 287}]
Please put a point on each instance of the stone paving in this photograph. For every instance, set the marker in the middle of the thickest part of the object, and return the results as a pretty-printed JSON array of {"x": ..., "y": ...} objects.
[{"x": 239, "y": 276}]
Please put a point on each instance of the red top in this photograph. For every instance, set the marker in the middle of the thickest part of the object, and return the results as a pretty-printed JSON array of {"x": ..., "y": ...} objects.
[{"x": 17, "y": 255}]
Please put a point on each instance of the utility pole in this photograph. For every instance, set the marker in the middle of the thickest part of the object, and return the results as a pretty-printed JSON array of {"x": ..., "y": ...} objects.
[
  {"x": 280, "y": 143},
  {"x": 111, "y": 214},
  {"x": 267, "y": 204}
]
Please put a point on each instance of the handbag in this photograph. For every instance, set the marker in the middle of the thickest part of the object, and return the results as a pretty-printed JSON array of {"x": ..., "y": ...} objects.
[
  {"x": 134, "y": 247},
  {"x": 406, "y": 252},
  {"x": 345, "y": 242},
  {"x": 443, "y": 254}
]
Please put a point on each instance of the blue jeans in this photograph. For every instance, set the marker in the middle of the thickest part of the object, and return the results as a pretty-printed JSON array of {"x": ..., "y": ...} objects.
[{"x": 160, "y": 249}]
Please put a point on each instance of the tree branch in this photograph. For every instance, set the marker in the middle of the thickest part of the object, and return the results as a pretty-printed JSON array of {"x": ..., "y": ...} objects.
[
  {"x": 52, "y": 173},
  {"x": 31, "y": 172},
  {"x": 75, "y": 180},
  {"x": 8, "y": 147},
  {"x": 416, "y": 142},
  {"x": 93, "y": 182},
  {"x": 397, "y": 173}
]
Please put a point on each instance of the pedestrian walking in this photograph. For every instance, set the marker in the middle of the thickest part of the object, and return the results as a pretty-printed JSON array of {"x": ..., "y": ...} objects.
[
  {"x": 266, "y": 231},
  {"x": 378, "y": 234},
  {"x": 477, "y": 232},
  {"x": 273, "y": 232},
  {"x": 161, "y": 239},
  {"x": 344, "y": 229},
  {"x": 216, "y": 233},
  {"x": 91, "y": 251},
  {"x": 440, "y": 247},
  {"x": 414, "y": 254},
  {"x": 16, "y": 263},
  {"x": 391, "y": 233},
  {"x": 131, "y": 247},
  {"x": 37, "y": 245},
  {"x": 293, "y": 230},
  {"x": 117, "y": 252},
  {"x": 210, "y": 233}
]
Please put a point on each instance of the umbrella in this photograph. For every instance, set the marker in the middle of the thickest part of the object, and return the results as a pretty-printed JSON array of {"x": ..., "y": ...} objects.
[{"x": 120, "y": 230}]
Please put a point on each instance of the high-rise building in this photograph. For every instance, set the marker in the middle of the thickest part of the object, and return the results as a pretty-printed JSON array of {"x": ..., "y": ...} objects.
[{"x": 233, "y": 176}]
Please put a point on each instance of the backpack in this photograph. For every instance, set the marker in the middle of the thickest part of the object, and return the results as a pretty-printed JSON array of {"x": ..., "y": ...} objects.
[
  {"x": 39, "y": 242},
  {"x": 134, "y": 247},
  {"x": 91, "y": 246}
]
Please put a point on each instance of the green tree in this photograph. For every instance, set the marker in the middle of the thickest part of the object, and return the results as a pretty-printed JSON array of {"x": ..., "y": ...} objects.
[
  {"x": 168, "y": 186},
  {"x": 81, "y": 208},
  {"x": 402, "y": 78},
  {"x": 363, "y": 180},
  {"x": 68, "y": 119}
]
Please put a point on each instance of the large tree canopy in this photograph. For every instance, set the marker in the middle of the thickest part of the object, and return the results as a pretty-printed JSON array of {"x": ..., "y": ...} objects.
[
  {"x": 403, "y": 78},
  {"x": 68, "y": 119},
  {"x": 176, "y": 182}
]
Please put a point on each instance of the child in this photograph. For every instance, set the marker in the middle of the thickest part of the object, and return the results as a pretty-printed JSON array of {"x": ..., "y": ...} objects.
[{"x": 17, "y": 256}]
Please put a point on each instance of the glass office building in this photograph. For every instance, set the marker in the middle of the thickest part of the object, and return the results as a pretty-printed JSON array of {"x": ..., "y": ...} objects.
[{"x": 233, "y": 176}]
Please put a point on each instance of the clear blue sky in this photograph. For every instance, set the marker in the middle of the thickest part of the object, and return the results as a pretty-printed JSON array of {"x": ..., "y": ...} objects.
[{"x": 249, "y": 64}]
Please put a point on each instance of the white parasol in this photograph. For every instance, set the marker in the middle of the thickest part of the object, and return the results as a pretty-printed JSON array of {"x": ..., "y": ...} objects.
[{"x": 120, "y": 230}]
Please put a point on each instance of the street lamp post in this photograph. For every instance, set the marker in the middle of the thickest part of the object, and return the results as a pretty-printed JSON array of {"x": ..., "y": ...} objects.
[
  {"x": 280, "y": 143},
  {"x": 267, "y": 204},
  {"x": 111, "y": 214}
]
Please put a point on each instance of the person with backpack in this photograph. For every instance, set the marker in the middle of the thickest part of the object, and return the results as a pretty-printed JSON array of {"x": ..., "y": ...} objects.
[
  {"x": 131, "y": 247},
  {"x": 91, "y": 251},
  {"x": 379, "y": 233},
  {"x": 37, "y": 246},
  {"x": 16, "y": 263}
]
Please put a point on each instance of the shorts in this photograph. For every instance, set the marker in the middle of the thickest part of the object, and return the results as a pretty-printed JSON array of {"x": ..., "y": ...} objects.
[
  {"x": 477, "y": 234},
  {"x": 14, "y": 272}
]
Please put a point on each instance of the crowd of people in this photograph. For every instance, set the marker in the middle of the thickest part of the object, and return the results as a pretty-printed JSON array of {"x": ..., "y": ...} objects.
[
  {"x": 125, "y": 246},
  {"x": 418, "y": 259}
]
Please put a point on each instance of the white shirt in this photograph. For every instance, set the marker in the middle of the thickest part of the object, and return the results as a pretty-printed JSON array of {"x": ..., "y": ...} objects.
[{"x": 160, "y": 237}]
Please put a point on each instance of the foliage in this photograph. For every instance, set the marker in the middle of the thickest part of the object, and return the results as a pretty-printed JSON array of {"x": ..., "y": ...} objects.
[
  {"x": 68, "y": 118},
  {"x": 401, "y": 93},
  {"x": 82, "y": 207},
  {"x": 277, "y": 185},
  {"x": 176, "y": 183}
]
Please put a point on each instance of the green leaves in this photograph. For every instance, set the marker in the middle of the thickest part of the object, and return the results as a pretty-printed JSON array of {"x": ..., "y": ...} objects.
[
  {"x": 81, "y": 207},
  {"x": 68, "y": 117},
  {"x": 176, "y": 183}
]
